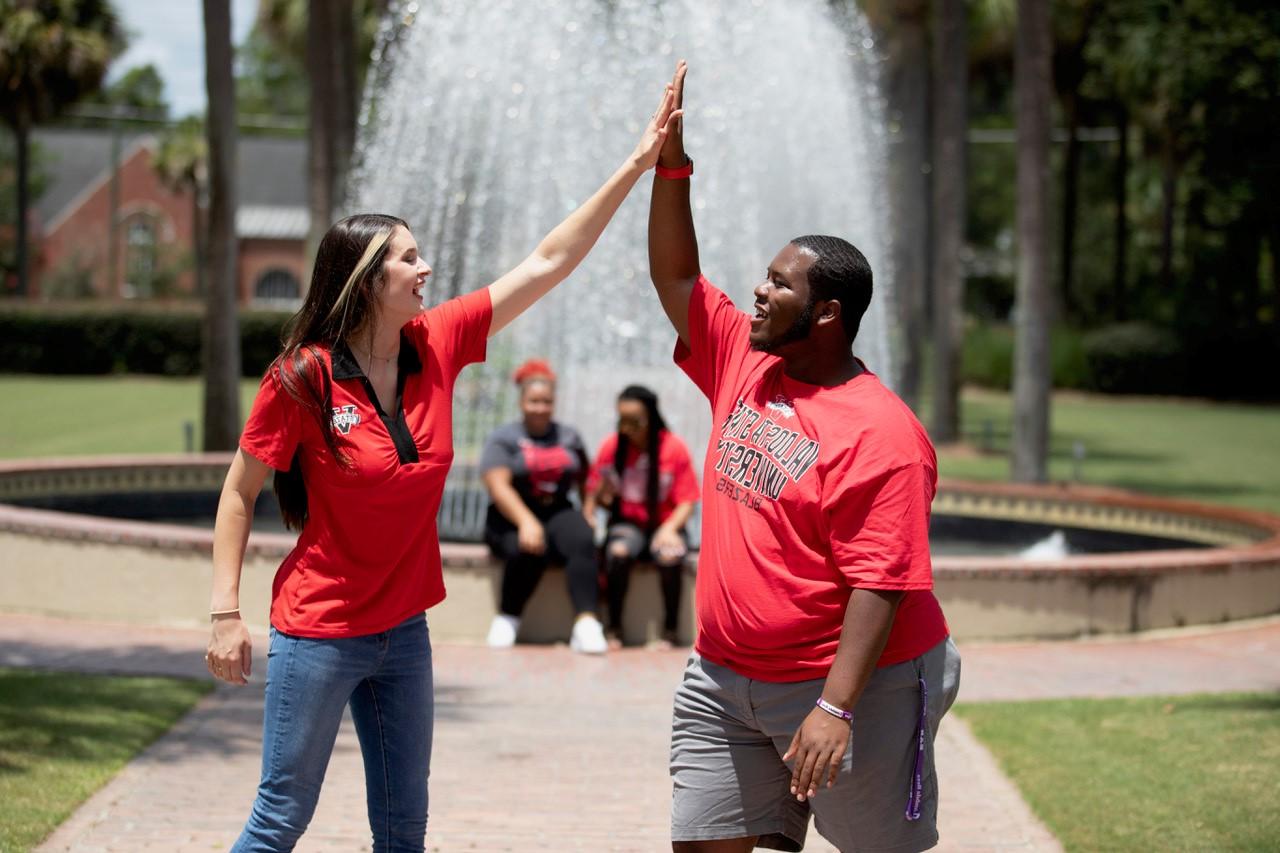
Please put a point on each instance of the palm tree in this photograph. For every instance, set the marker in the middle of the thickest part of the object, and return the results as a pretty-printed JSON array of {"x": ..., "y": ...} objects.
[
  {"x": 51, "y": 55},
  {"x": 1032, "y": 373},
  {"x": 221, "y": 342},
  {"x": 950, "y": 126},
  {"x": 182, "y": 164}
]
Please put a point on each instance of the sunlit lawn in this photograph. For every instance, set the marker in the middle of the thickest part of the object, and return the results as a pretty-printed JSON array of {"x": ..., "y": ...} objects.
[
  {"x": 1187, "y": 773},
  {"x": 62, "y": 736},
  {"x": 76, "y": 415},
  {"x": 1214, "y": 452}
]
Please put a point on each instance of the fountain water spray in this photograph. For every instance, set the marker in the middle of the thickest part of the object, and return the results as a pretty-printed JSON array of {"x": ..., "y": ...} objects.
[{"x": 485, "y": 123}]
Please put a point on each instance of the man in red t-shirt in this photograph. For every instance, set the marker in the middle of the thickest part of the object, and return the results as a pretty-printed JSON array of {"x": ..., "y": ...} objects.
[{"x": 823, "y": 662}]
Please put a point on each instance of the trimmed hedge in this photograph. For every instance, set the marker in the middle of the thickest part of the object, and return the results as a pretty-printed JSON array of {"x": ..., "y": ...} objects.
[
  {"x": 1131, "y": 358},
  {"x": 1136, "y": 358},
  {"x": 37, "y": 339},
  {"x": 987, "y": 357}
]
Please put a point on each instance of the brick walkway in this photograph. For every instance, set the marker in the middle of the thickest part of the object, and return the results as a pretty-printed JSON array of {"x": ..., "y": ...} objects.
[{"x": 538, "y": 749}]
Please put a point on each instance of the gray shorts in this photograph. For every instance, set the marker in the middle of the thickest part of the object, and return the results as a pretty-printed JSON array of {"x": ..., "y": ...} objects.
[{"x": 729, "y": 733}]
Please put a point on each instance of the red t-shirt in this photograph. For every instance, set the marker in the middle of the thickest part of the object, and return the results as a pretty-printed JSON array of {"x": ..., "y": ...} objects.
[
  {"x": 807, "y": 492},
  {"x": 369, "y": 555},
  {"x": 677, "y": 483}
]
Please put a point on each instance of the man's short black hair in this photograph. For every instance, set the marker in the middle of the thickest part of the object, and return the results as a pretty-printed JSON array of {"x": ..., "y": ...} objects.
[{"x": 839, "y": 272}]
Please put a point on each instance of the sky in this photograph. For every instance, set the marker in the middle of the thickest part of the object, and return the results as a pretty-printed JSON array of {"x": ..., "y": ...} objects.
[{"x": 170, "y": 35}]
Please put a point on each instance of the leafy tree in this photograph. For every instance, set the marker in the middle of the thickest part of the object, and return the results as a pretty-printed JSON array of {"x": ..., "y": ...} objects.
[
  {"x": 139, "y": 90},
  {"x": 52, "y": 53},
  {"x": 321, "y": 53},
  {"x": 182, "y": 163},
  {"x": 1201, "y": 81},
  {"x": 269, "y": 81}
]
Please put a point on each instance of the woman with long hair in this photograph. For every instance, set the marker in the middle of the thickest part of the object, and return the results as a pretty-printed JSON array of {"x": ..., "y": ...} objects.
[
  {"x": 643, "y": 476},
  {"x": 355, "y": 416},
  {"x": 532, "y": 467}
]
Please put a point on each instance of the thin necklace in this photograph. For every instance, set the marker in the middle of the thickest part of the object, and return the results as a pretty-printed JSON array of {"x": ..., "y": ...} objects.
[{"x": 374, "y": 357}]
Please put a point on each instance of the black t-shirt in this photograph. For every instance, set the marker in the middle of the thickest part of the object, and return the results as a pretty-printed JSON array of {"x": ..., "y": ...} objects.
[{"x": 544, "y": 469}]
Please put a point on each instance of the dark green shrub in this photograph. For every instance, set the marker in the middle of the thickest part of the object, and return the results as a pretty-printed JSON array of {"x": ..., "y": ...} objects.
[
  {"x": 987, "y": 356},
  {"x": 1134, "y": 358},
  {"x": 144, "y": 339}
]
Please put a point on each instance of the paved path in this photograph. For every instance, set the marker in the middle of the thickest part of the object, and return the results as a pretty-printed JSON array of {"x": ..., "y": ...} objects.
[{"x": 538, "y": 749}]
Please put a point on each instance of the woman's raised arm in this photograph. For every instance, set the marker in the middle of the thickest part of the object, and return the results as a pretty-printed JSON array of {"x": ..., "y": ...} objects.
[{"x": 563, "y": 249}]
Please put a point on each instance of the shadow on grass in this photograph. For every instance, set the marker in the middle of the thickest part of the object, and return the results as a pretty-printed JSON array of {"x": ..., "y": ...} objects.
[{"x": 86, "y": 718}]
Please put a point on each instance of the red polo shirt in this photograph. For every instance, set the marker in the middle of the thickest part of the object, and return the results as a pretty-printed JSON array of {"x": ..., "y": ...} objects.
[{"x": 369, "y": 555}]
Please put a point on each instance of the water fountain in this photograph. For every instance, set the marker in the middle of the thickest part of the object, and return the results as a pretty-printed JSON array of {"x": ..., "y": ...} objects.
[{"x": 485, "y": 123}]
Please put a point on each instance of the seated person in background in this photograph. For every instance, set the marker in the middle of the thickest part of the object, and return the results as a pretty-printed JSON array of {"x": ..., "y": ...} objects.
[
  {"x": 530, "y": 467},
  {"x": 649, "y": 504}
]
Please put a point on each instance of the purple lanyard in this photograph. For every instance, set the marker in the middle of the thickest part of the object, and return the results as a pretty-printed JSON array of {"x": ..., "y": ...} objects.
[{"x": 917, "y": 778}]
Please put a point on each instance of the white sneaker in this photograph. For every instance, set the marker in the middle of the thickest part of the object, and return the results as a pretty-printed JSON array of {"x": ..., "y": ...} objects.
[
  {"x": 502, "y": 631},
  {"x": 588, "y": 636}
]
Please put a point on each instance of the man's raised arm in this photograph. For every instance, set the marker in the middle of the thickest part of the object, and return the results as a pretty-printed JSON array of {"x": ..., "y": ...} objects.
[{"x": 673, "y": 246}]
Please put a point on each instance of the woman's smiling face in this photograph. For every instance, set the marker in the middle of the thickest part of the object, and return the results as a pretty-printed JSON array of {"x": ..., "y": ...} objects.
[{"x": 404, "y": 276}]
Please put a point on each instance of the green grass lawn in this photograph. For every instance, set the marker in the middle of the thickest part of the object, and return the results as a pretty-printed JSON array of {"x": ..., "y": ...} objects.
[
  {"x": 62, "y": 736},
  {"x": 1187, "y": 773},
  {"x": 77, "y": 415},
  {"x": 1213, "y": 452}
]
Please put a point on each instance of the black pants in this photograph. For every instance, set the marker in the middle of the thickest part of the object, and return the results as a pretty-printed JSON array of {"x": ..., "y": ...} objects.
[
  {"x": 634, "y": 543},
  {"x": 569, "y": 544}
]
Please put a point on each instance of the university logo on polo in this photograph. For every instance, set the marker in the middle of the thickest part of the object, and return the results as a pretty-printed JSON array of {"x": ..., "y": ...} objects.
[{"x": 344, "y": 418}]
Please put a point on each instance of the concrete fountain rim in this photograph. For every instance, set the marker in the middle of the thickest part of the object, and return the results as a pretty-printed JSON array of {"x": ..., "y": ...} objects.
[{"x": 1263, "y": 550}]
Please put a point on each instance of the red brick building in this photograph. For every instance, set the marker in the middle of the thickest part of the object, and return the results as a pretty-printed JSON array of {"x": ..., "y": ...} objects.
[{"x": 154, "y": 248}]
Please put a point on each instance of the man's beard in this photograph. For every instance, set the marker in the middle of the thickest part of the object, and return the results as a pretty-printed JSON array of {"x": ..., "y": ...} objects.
[{"x": 797, "y": 331}]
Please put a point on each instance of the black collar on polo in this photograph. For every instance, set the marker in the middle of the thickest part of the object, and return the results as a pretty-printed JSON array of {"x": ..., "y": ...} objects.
[{"x": 345, "y": 366}]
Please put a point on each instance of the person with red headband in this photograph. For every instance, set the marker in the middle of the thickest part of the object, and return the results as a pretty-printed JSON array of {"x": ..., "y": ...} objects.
[
  {"x": 823, "y": 663},
  {"x": 533, "y": 468},
  {"x": 356, "y": 418}
]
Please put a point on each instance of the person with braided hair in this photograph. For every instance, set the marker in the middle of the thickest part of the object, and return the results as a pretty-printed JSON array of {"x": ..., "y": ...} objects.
[{"x": 643, "y": 476}]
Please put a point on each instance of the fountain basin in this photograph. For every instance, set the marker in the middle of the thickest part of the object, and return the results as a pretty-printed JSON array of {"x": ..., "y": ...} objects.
[{"x": 1224, "y": 564}]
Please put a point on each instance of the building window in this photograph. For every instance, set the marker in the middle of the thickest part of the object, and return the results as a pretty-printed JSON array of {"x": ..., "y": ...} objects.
[
  {"x": 140, "y": 256},
  {"x": 277, "y": 286}
]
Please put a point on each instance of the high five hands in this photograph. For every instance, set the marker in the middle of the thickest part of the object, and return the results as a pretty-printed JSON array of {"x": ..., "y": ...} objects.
[{"x": 662, "y": 124}]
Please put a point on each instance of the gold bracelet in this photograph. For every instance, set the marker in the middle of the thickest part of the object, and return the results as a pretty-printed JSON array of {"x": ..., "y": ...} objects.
[{"x": 213, "y": 613}]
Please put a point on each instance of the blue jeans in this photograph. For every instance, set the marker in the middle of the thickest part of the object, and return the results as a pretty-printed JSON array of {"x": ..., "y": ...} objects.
[{"x": 386, "y": 678}]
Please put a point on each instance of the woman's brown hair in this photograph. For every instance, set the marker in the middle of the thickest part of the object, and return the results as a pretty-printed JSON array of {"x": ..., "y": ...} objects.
[{"x": 341, "y": 303}]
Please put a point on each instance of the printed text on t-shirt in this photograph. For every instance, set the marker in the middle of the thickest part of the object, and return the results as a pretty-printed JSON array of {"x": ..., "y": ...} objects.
[{"x": 759, "y": 454}]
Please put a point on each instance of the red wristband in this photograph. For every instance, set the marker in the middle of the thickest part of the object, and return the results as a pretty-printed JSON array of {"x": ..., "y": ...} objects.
[{"x": 676, "y": 174}]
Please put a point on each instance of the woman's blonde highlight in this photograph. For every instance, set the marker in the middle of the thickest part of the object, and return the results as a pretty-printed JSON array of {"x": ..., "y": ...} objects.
[{"x": 343, "y": 302}]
